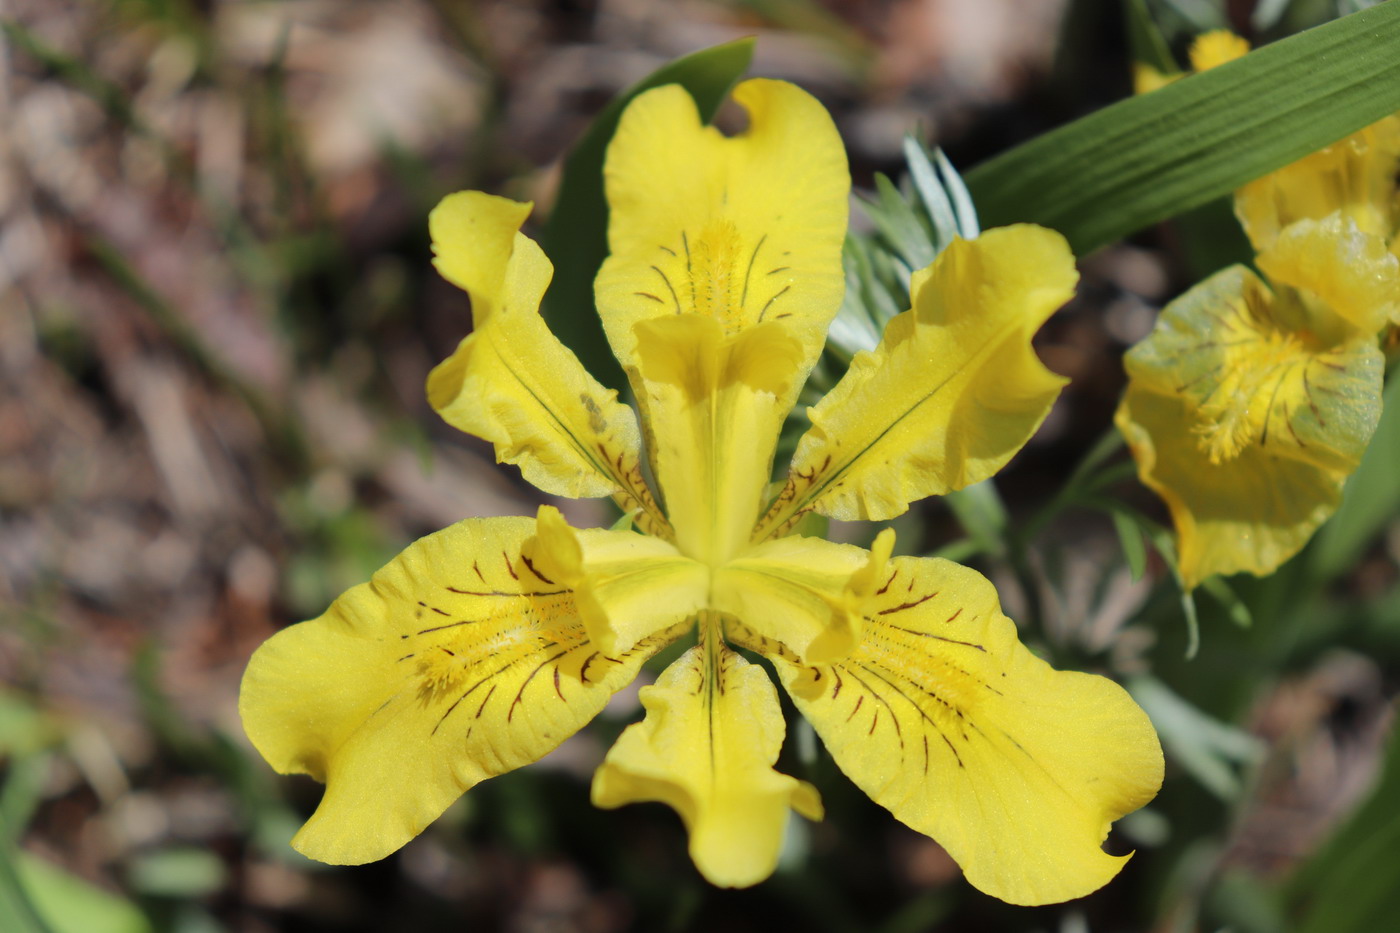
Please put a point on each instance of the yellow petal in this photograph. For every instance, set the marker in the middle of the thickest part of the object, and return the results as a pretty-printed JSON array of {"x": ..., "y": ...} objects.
[
  {"x": 626, "y": 586},
  {"x": 950, "y": 394},
  {"x": 714, "y": 414},
  {"x": 511, "y": 381},
  {"x": 943, "y": 717},
  {"x": 1354, "y": 274},
  {"x": 1355, "y": 175},
  {"x": 454, "y": 663},
  {"x": 1147, "y": 79},
  {"x": 1248, "y": 513},
  {"x": 742, "y": 229},
  {"x": 1257, "y": 371},
  {"x": 1215, "y": 48},
  {"x": 706, "y": 749},
  {"x": 807, "y": 594}
]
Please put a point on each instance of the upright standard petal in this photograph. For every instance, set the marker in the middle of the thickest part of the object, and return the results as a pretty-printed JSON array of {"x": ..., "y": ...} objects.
[
  {"x": 742, "y": 229},
  {"x": 706, "y": 749},
  {"x": 511, "y": 381},
  {"x": 1355, "y": 175},
  {"x": 454, "y": 663},
  {"x": 1246, "y": 411},
  {"x": 724, "y": 273},
  {"x": 943, "y": 717},
  {"x": 952, "y": 392}
]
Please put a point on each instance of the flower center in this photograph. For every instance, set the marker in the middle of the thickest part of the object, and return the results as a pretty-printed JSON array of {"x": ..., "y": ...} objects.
[{"x": 1239, "y": 409}]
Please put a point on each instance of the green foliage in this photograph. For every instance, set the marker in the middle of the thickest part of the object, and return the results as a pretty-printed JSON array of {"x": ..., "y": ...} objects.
[{"x": 1152, "y": 157}]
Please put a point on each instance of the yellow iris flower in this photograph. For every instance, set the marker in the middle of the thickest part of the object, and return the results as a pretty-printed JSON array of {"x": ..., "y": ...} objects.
[
  {"x": 1207, "y": 51},
  {"x": 482, "y": 647},
  {"x": 1248, "y": 407}
]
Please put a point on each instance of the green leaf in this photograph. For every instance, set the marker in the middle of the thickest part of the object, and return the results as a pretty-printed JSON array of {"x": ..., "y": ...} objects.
[
  {"x": 1134, "y": 548},
  {"x": 179, "y": 872},
  {"x": 1222, "y": 593},
  {"x": 1211, "y": 751},
  {"x": 576, "y": 236},
  {"x": 1145, "y": 39},
  {"x": 1151, "y": 157},
  {"x": 63, "y": 903}
]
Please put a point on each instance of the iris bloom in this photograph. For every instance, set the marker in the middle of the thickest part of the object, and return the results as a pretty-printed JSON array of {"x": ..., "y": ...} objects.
[
  {"x": 482, "y": 647},
  {"x": 1249, "y": 406}
]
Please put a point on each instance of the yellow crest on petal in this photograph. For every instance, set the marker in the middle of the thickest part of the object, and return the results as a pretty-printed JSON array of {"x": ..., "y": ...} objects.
[
  {"x": 1334, "y": 263},
  {"x": 626, "y": 586}
]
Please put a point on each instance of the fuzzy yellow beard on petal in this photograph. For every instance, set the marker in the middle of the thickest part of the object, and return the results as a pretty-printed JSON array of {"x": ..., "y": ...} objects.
[{"x": 1241, "y": 407}]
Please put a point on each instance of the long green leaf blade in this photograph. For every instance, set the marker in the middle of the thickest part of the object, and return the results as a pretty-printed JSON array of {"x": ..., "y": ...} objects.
[
  {"x": 576, "y": 237},
  {"x": 1151, "y": 157}
]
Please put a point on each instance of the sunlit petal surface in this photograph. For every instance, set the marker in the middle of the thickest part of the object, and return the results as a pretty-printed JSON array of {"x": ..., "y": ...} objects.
[
  {"x": 942, "y": 716},
  {"x": 706, "y": 748},
  {"x": 1246, "y": 411},
  {"x": 456, "y": 662},
  {"x": 511, "y": 381},
  {"x": 627, "y": 587},
  {"x": 951, "y": 393},
  {"x": 1334, "y": 263},
  {"x": 724, "y": 274},
  {"x": 1355, "y": 175}
]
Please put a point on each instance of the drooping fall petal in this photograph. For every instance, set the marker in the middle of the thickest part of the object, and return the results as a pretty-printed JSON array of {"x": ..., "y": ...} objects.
[
  {"x": 706, "y": 748},
  {"x": 1246, "y": 514},
  {"x": 454, "y": 663},
  {"x": 950, "y": 394},
  {"x": 511, "y": 381},
  {"x": 1246, "y": 410},
  {"x": 943, "y": 717}
]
